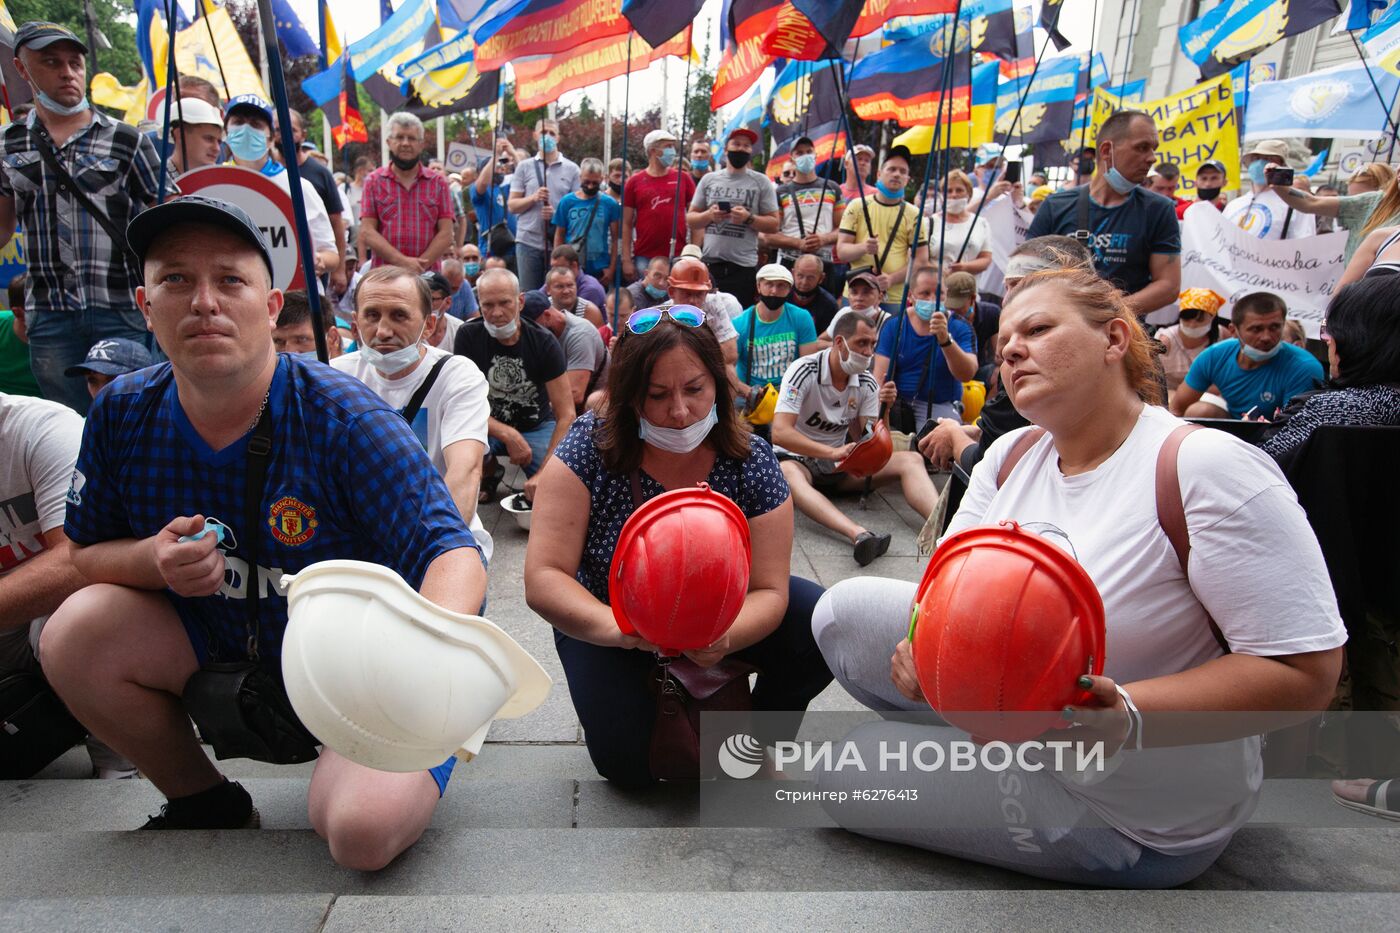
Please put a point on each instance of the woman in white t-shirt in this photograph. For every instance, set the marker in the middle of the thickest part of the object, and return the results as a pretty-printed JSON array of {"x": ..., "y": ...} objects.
[
  {"x": 1077, "y": 364},
  {"x": 949, "y": 242}
]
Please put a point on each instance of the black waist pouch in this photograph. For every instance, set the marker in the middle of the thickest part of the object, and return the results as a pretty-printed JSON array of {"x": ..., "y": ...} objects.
[
  {"x": 35, "y": 726},
  {"x": 242, "y": 710}
]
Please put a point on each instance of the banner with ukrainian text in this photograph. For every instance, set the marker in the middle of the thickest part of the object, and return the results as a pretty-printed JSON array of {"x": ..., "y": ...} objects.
[
  {"x": 747, "y": 25},
  {"x": 879, "y": 12},
  {"x": 546, "y": 27},
  {"x": 541, "y": 80}
]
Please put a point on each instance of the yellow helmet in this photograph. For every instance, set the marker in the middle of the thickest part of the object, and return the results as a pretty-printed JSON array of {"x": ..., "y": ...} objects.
[
  {"x": 762, "y": 411},
  {"x": 974, "y": 395}
]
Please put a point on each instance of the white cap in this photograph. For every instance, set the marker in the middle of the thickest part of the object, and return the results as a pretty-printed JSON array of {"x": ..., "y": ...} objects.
[
  {"x": 195, "y": 112},
  {"x": 773, "y": 272},
  {"x": 691, "y": 251},
  {"x": 657, "y": 136}
]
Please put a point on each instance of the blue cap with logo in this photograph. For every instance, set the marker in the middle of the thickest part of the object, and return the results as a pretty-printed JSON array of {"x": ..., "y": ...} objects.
[
  {"x": 113, "y": 356},
  {"x": 249, "y": 102}
]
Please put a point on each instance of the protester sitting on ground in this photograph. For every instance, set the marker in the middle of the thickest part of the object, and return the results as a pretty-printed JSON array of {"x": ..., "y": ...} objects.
[
  {"x": 586, "y": 220},
  {"x": 562, "y": 292},
  {"x": 471, "y": 263},
  {"x": 463, "y": 297},
  {"x": 961, "y": 301},
  {"x": 1255, "y": 374},
  {"x": 866, "y": 299},
  {"x": 650, "y": 290},
  {"x": 585, "y": 356},
  {"x": 1078, "y": 364},
  {"x": 1294, "y": 333},
  {"x": 1259, "y": 210},
  {"x": 1210, "y": 181},
  {"x": 1363, "y": 348},
  {"x": 589, "y": 288},
  {"x": 108, "y": 359},
  {"x": 1372, "y": 201},
  {"x": 1135, "y": 239},
  {"x": 39, "y": 443},
  {"x": 884, "y": 245},
  {"x": 808, "y": 292},
  {"x": 826, "y": 402},
  {"x": 442, "y": 326},
  {"x": 934, "y": 355},
  {"x": 955, "y": 239},
  {"x": 1194, "y": 330},
  {"x": 393, "y": 314},
  {"x": 773, "y": 332},
  {"x": 16, "y": 376},
  {"x": 121, "y": 651},
  {"x": 532, "y": 405},
  {"x": 669, "y": 423},
  {"x": 295, "y": 333}
]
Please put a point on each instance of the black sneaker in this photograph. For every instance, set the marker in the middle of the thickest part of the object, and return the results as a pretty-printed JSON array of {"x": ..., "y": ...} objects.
[
  {"x": 225, "y": 806},
  {"x": 870, "y": 546}
]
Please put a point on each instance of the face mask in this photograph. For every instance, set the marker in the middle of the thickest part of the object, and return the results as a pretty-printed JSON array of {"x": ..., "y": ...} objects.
[
  {"x": 1116, "y": 180},
  {"x": 1256, "y": 171},
  {"x": 668, "y": 157},
  {"x": 701, "y": 164},
  {"x": 471, "y": 268},
  {"x": 956, "y": 205},
  {"x": 53, "y": 106},
  {"x": 246, "y": 142},
  {"x": 925, "y": 309},
  {"x": 773, "y": 302},
  {"x": 590, "y": 188},
  {"x": 504, "y": 331},
  {"x": 853, "y": 363},
  {"x": 806, "y": 163},
  {"x": 1260, "y": 356},
  {"x": 679, "y": 440},
  {"x": 738, "y": 158},
  {"x": 890, "y": 194},
  {"x": 616, "y": 187},
  {"x": 1207, "y": 194},
  {"x": 395, "y": 360},
  {"x": 310, "y": 355},
  {"x": 653, "y": 291},
  {"x": 548, "y": 144},
  {"x": 1194, "y": 330}
]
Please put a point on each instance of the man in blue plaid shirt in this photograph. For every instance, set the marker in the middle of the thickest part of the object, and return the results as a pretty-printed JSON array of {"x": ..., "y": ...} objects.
[
  {"x": 168, "y": 446},
  {"x": 80, "y": 282}
]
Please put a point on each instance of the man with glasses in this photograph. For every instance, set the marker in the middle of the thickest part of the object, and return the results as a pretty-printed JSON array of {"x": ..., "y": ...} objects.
[{"x": 406, "y": 209}]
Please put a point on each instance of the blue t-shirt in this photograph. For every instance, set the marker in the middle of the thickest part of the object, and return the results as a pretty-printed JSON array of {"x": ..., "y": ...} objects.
[
  {"x": 775, "y": 343},
  {"x": 914, "y": 350},
  {"x": 1269, "y": 387},
  {"x": 490, "y": 210},
  {"x": 572, "y": 214},
  {"x": 756, "y": 484},
  {"x": 142, "y": 464},
  {"x": 1123, "y": 238},
  {"x": 463, "y": 302}
]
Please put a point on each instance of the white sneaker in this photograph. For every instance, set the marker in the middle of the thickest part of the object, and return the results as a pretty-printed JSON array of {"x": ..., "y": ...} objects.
[{"x": 115, "y": 774}]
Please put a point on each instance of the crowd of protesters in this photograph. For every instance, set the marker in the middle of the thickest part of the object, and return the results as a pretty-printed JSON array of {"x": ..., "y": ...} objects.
[{"x": 690, "y": 320}]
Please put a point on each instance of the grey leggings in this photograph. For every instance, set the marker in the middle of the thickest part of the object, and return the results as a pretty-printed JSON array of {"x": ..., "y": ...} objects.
[{"x": 1022, "y": 820}]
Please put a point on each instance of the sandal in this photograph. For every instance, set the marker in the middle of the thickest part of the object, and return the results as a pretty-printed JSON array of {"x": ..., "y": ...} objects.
[
  {"x": 489, "y": 482},
  {"x": 1379, "y": 800}
]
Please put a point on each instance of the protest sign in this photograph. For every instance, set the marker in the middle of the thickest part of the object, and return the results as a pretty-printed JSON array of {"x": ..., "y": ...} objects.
[
  {"x": 1194, "y": 126},
  {"x": 268, "y": 205},
  {"x": 1216, "y": 254}
]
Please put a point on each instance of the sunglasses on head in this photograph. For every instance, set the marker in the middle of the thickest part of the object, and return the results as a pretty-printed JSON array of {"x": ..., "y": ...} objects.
[{"x": 639, "y": 322}]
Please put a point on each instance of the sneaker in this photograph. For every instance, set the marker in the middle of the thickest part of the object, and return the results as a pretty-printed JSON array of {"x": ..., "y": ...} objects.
[
  {"x": 226, "y": 806},
  {"x": 115, "y": 774},
  {"x": 870, "y": 546}
]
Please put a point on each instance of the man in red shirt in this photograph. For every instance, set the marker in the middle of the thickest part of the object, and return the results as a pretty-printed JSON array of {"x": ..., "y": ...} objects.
[
  {"x": 406, "y": 209},
  {"x": 652, "y": 225}
]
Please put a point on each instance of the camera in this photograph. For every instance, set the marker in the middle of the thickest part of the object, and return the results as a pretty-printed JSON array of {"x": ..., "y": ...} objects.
[{"x": 1277, "y": 175}]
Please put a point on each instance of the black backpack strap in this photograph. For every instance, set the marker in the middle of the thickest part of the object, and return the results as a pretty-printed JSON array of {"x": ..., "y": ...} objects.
[
  {"x": 257, "y": 458},
  {"x": 410, "y": 411},
  {"x": 894, "y": 232},
  {"x": 1081, "y": 220},
  {"x": 49, "y": 154},
  {"x": 1287, "y": 220}
]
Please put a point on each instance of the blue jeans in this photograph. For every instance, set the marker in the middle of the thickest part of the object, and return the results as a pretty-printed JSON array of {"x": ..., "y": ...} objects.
[
  {"x": 538, "y": 439},
  {"x": 531, "y": 264},
  {"x": 60, "y": 339}
]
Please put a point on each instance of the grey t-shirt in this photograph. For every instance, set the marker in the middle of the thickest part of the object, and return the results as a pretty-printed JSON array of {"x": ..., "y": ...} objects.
[
  {"x": 583, "y": 348},
  {"x": 562, "y": 177},
  {"x": 731, "y": 242}
]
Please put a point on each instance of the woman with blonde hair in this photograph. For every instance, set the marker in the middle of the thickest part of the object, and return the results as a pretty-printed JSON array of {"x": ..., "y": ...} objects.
[
  {"x": 1079, "y": 366},
  {"x": 960, "y": 243},
  {"x": 1372, "y": 201}
]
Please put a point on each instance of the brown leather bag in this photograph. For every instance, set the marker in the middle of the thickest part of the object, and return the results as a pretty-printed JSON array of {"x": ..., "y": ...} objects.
[{"x": 684, "y": 690}]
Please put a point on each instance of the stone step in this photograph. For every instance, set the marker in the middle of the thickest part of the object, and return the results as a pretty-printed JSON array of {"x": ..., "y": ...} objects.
[
  {"x": 967, "y": 911},
  {"x": 526, "y": 862}
]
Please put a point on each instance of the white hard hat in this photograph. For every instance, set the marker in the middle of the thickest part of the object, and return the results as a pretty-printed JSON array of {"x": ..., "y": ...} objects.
[
  {"x": 196, "y": 112},
  {"x": 390, "y": 680}
]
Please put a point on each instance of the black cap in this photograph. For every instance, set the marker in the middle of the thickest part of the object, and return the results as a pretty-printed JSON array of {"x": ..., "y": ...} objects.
[
  {"x": 900, "y": 152},
  {"x": 436, "y": 282},
  {"x": 535, "y": 305},
  {"x": 802, "y": 141},
  {"x": 39, "y": 34},
  {"x": 194, "y": 209}
]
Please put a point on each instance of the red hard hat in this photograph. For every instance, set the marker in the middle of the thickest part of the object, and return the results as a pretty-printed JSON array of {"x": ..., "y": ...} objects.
[
  {"x": 871, "y": 454},
  {"x": 680, "y": 570},
  {"x": 690, "y": 274},
  {"x": 1004, "y": 623}
]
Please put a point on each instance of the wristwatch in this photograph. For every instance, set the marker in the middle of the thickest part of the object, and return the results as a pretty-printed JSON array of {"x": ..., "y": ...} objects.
[{"x": 944, "y": 343}]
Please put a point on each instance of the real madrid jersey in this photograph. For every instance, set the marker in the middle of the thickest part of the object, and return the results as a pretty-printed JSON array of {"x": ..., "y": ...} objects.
[
  {"x": 347, "y": 479},
  {"x": 824, "y": 412}
]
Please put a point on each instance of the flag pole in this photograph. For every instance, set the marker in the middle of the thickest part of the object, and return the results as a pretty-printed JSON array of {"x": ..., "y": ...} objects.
[
  {"x": 218, "y": 59},
  {"x": 303, "y": 230},
  {"x": 626, "y": 116},
  {"x": 685, "y": 112},
  {"x": 1093, "y": 41},
  {"x": 170, "y": 72},
  {"x": 1389, "y": 124}
]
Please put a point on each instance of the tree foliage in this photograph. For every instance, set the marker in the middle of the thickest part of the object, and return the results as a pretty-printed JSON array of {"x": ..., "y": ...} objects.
[{"x": 113, "y": 18}]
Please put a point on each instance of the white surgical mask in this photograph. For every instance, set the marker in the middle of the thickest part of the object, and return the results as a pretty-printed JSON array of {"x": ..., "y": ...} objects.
[
  {"x": 806, "y": 163},
  {"x": 503, "y": 331},
  {"x": 1195, "y": 330},
  {"x": 1260, "y": 356},
  {"x": 679, "y": 440},
  {"x": 53, "y": 106},
  {"x": 395, "y": 360},
  {"x": 957, "y": 205},
  {"x": 853, "y": 363}
]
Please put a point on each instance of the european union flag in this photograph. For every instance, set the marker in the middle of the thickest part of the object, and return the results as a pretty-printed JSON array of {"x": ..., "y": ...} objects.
[
  {"x": 1237, "y": 30},
  {"x": 295, "y": 39}
]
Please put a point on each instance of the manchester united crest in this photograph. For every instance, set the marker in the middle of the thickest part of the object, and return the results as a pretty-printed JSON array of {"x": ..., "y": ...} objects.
[{"x": 292, "y": 521}]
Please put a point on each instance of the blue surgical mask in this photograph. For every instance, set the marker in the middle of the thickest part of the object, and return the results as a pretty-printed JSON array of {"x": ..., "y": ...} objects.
[
  {"x": 679, "y": 440},
  {"x": 53, "y": 106},
  {"x": 246, "y": 142},
  {"x": 925, "y": 309},
  {"x": 1116, "y": 179},
  {"x": 471, "y": 268},
  {"x": 891, "y": 194},
  {"x": 1257, "y": 168},
  {"x": 1260, "y": 356},
  {"x": 548, "y": 144},
  {"x": 701, "y": 164},
  {"x": 654, "y": 292},
  {"x": 668, "y": 156},
  {"x": 806, "y": 163}
]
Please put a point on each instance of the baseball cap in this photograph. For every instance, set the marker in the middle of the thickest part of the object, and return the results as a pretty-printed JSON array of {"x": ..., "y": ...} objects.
[
  {"x": 866, "y": 276},
  {"x": 987, "y": 152},
  {"x": 773, "y": 272},
  {"x": 113, "y": 356},
  {"x": 958, "y": 289},
  {"x": 863, "y": 149},
  {"x": 192, "y": 111},
  {"x": 742, "y": 132},
  {"x": 40, "y": 34},
  {"x": 657, "y": 136},
  {"x": 1213, "y": 163},
  {"x": 899, "y": 152},
  {"x": 535, "y": 305},
  {"x": 1275, "y": 148},
  {"x": 249, "y": 102},
  {"x": 802, "y": 141},
  {"x": 436, "y": 282},
  {"x": 146, "y": 226}
]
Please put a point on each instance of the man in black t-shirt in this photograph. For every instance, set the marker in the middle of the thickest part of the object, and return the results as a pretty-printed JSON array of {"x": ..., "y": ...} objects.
[
  {"x": 808, "y": 273},
  {"x": 1132, "y": 232},
  {"x": 532, "y": 405}
]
